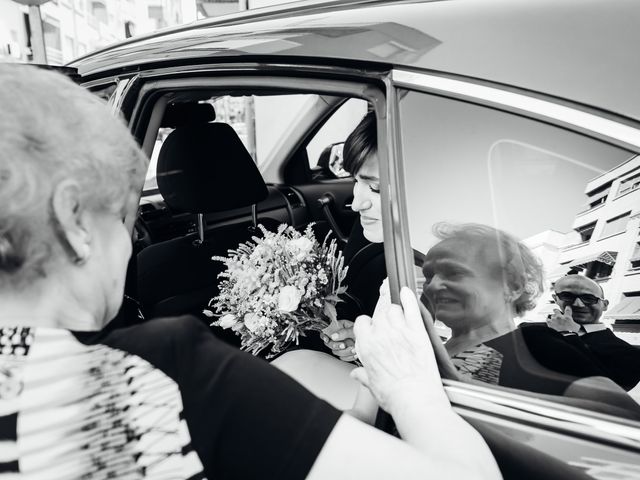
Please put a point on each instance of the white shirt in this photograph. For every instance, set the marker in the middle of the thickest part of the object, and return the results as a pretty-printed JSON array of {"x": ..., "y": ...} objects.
[{"x": 591, "y": 327}]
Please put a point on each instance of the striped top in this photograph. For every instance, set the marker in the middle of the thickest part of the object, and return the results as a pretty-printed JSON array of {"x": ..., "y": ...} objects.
[
  {"x": 68, "y": 410},
  {"x": 85, "y": 406}
]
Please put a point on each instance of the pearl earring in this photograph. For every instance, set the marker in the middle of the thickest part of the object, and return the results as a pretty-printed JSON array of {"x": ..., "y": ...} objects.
[{"x": 83, "y": 254}]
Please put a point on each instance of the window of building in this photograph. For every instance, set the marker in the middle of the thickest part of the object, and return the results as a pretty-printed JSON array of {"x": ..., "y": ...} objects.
[
  {"x": 51, "y": 34},
  {"x": 156, "y": 12},
  {"x": 129, "y": 29},
  {"x": 69, "y": 48},
  {"x": 598, "y": 270},
  {"x": 635, "y": 257},
  {"x": 629, "y": 184},
  {"x": 597, "y": 197},
  {"x": 80, "y": 7},
  {"x": 615, "y": 225},
  {"x": 99, "y": 11},
  {"x": 586, "y": 231}
]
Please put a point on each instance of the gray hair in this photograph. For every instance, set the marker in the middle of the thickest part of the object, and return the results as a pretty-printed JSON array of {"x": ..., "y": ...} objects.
[
  {"x": 51, "y": 130},
  {"x": 520, "y": 267}
]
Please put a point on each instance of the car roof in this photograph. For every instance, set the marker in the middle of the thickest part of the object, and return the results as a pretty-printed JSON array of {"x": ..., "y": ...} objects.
[{"x": 584, "y": 51}]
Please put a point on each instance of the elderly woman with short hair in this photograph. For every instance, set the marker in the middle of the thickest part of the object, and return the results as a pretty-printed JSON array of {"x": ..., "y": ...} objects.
[
  {"x": 162, "y": 399},
  {"x": 478, "y": 279}
]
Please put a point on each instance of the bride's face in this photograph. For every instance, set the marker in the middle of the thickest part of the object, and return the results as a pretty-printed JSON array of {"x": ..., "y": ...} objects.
[{"x": 366, "y": 199}]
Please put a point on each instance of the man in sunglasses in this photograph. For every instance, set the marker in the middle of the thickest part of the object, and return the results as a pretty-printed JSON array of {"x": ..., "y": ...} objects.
[{"x": 581, "y": 304}]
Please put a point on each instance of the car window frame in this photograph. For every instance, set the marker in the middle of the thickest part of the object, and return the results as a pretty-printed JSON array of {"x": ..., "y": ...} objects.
[{"x": 466, "y": 397}]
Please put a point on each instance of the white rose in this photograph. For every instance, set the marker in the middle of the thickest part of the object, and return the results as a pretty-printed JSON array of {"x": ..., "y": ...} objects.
[
  {"x": 289, "y": 298},
  {"x": 301, "y": 248},
  {"x": 227, "y": 321},
  {"x": 252, "y": 322}
]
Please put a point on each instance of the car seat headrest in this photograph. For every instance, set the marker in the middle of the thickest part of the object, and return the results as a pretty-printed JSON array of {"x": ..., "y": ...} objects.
[
  {"x": 206, "y": 168},
  {"x": 180, "y": 114}
]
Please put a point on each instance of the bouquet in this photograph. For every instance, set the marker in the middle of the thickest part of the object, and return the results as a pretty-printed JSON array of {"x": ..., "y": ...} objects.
[{"x": 277, "y": 287}]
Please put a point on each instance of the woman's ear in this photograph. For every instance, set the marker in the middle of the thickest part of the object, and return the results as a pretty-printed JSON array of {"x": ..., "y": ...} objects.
[
  {"x": 70, "y": 220},
  {"x": 513, "y": 293}
]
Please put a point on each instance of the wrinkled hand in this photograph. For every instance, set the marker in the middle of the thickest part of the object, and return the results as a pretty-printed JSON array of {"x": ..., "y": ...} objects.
[
  {"x": 341, "y": 341},
  {"x": 563, "y": 322},
  {"x": 396, "y": 354}
]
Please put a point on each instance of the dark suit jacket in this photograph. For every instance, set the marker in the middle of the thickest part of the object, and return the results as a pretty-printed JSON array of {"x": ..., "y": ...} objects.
[
  {"x": 620, "y": 359},
  {"x": 597, "y": 351}
]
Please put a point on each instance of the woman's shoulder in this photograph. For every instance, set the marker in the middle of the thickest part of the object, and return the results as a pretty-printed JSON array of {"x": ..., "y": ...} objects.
[
  {"x": 160, "y": 330},
  {"x": 166, "y": 343}
]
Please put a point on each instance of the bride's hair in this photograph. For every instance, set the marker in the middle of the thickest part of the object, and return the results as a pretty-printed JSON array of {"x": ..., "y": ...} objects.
[{"x": 360, "y": 144}]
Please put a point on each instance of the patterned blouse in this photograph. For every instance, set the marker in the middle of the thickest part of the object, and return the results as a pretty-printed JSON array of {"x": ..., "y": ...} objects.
[{"x": 157, "y": 400}]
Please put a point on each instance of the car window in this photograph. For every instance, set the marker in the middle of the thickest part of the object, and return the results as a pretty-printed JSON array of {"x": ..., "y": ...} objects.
[
  {"x": 328, "y": 141},
  {"x": 519, "y": 220}
]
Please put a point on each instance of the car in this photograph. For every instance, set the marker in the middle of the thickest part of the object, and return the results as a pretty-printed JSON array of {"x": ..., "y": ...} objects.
[{"x": 521, "y": 115}]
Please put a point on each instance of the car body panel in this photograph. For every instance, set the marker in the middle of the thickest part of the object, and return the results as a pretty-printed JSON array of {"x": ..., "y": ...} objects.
[{"x": 459, "y": 37}]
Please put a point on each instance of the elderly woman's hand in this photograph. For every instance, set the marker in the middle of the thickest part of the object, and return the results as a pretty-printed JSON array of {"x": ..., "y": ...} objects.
[{"x": 397, "y": 356}]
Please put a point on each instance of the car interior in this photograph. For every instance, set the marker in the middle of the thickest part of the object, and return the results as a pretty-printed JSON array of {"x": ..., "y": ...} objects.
[{"x": 205, "y": 195}]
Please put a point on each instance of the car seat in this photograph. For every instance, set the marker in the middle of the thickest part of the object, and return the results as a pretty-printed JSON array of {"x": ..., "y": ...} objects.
[{"x": 202, "y": 168}]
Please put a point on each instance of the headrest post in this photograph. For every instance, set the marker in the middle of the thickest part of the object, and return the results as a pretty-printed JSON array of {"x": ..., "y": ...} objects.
[
  {"x": 254, "y": 215},
  {"x": 200, "y": 239},
  {"x": 253, "y": 228}
]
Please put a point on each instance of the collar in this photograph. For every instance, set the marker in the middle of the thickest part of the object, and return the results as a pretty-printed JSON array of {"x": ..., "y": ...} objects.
[{"x": 591, "y": 327}]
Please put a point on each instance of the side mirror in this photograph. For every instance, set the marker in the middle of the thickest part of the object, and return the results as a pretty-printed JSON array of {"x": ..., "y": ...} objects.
[
  {"x": 336, "y": 162},
  {"x": 330, "y": 162}
]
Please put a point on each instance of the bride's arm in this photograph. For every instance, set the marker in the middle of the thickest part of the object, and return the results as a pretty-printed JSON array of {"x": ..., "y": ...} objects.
[
  {"x": 365, "y": 407},
  {"x": 323, "y": 375}
]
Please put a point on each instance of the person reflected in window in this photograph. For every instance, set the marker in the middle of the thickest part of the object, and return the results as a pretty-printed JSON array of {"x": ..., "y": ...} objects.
[
  {"x": 478, "y": 279},
  {"x": 581, "y": 304}
]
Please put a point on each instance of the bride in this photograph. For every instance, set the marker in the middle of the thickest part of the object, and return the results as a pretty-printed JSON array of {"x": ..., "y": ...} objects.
[{"x": 392, "y": 345}]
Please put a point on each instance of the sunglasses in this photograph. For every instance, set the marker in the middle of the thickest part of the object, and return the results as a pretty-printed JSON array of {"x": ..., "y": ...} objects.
[{"x": 570, "y": 298}]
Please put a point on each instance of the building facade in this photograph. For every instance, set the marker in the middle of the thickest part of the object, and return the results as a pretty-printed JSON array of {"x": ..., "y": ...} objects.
[
  {"x": 603, "y": 245},
  {"x": 73, "y": 28}
]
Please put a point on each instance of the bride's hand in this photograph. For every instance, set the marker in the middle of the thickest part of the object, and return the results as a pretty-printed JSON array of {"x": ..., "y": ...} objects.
[
  {"x": 397, "y": 356},
  {"x": 341, "y": 341}
]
